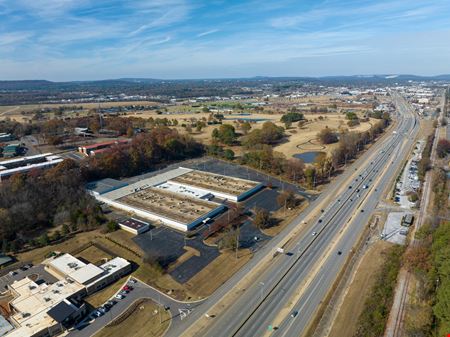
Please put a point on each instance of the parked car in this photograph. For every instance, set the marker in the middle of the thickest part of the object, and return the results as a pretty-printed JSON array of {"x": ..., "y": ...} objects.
[
  {"x": 97, "y": 313},
  {"x": 12, "y": 273},
  {"x": 127, "y": 288},
  {"x": 132, "y": 280},
  {"x": 120, "y": 296}
]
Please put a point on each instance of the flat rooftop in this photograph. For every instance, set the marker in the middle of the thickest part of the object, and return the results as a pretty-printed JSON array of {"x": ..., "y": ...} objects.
[
  {"x": 105, "y": 185},
  {"x": 215, "y": 182},
  {"x": 171, "y": 205},
  {"x": 133, "y": 223},
  {"x": 67, "y": 264},
  {"x": 33, "y": 300},
  {"x": 182, "y": 189}
]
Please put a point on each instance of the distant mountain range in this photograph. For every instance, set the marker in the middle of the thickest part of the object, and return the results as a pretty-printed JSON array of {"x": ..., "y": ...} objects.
[{"x": 126, "y": 82}]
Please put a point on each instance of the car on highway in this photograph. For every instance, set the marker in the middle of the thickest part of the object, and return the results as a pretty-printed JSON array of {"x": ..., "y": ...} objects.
[
  {"x": 294, "y": 313},
  {"x": 314, "y": 233},
  {"x": 339, "y": 252},
  {"x": 320, "y": 220}
]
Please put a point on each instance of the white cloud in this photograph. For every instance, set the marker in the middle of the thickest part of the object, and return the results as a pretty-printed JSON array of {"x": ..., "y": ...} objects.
[
  {"x": 208, "y": 32},
  {"x": 13, "y": 38}
]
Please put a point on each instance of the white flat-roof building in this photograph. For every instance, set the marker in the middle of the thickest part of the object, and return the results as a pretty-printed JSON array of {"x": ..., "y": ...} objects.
[
  {"x": 179, "y": 198},
  {"x": 32, "y": 305},
  {"x": 134, "y": 226},
  {"x": 39, "y": 310},
  {"x": 92, "y": 277},
  {"x": 26, "y": 164}
]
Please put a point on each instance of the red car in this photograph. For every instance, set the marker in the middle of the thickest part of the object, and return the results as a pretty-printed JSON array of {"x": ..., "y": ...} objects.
[{"x": 127, "y": 288}]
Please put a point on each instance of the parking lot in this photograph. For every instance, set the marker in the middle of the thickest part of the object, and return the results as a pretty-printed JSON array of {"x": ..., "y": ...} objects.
[
  {"x": 409, "y": 182},
  {"x": 37, "y": 272},
  {"x": 168, "y": 245},
  {"x": 93, "y": 324}
]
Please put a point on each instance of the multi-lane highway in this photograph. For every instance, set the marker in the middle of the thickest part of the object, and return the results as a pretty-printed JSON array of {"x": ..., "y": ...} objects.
[{"x": 289, "y": 291}]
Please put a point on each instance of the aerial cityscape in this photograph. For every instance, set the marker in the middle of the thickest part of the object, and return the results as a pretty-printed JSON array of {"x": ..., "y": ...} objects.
[{"x": 187, "y": 168}]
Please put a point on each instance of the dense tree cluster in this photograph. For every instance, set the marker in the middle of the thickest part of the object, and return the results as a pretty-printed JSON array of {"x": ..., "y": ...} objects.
[
  {"x": 424, "y": 163},
  {"x": 327, "y": 136},
  {"x": 34, "y": 202},
  {"x": 146, "y": 151},
  {"x": 350, "y": 143},
  {"x": 292, "y": 117},
  {"x": 269, "y": 134},
  {"x": 225, "y": 134},
  {"x": 443, "y": 148}
]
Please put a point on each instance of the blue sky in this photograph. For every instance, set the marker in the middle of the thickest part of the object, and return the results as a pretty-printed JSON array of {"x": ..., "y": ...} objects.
[{"x": 98, "y": 39}]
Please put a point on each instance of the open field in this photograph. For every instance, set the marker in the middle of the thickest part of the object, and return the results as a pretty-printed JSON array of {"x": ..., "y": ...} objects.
[
  {"x": 94, "y": 255},
  {"x": 142, "y": 322},
  {"x": 346, "y": 321},
  {"x": 305, "y": 139},
  {"x": 217, "y": 272},
  {"x": 15, "y": 111},
  {"x": 298, "y": 140},
  {"x": 37, "y": 255}
]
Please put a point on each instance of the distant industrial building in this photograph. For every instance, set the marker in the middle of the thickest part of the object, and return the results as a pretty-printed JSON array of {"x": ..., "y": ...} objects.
[
  {"x": 11, "y": 150},
  {"x": 5, "y": 137},
  {"x": 134, "y": 226},
  {"x": 26, "y": 164},
  {"x": 98, "y": 148},
  {"x": 180, "y": 198},
  {"x": 41, "y": 309}
]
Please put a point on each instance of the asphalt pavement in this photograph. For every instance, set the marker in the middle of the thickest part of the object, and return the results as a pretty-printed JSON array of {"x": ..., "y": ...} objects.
[
  {"x": 178, "y": 310},
  {"x": 256, "y": 309}
]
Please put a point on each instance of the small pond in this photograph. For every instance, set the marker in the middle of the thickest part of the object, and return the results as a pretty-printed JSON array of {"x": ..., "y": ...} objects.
[
  {"x": 307, "y": 157},
  {"x": 245, "y": 119}
]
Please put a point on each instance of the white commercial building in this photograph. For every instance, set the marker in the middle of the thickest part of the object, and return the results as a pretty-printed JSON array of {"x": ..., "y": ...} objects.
[
  {"x": 180, "y": 198},
  {"x": 26, "y": 164}
]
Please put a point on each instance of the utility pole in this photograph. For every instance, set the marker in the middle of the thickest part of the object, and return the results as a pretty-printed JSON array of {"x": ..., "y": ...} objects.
[
  {"x": 237, "y": 241},
  {"x": 160, "y": 308}
]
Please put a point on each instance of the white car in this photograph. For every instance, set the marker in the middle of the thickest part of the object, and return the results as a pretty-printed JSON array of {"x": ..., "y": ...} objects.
[{"x": 314, "y": 233}]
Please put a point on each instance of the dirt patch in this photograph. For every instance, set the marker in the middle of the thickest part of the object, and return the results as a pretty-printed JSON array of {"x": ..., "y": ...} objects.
[{"x": 345, "y": 323}]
